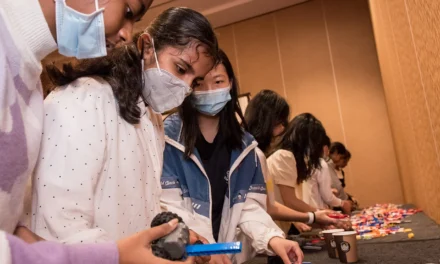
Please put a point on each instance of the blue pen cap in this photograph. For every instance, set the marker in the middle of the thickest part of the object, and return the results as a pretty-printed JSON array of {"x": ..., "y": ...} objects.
[{"x": 213, "y": 249}]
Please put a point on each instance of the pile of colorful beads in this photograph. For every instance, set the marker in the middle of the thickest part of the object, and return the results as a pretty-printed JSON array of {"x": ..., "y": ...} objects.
[{"x": 381, "y": 220}]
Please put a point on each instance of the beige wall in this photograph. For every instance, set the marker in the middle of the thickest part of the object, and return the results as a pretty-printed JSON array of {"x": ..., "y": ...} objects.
[
  {"x": 321, "y": 56},
  {"x": 407, "y": 38}
]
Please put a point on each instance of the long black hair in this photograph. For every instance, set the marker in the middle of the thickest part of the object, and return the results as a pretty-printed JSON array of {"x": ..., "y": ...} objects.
[
  {"x": 338, "y": 148},
  {"x": 229, "y": 125},
  {"x": 122, "y": 68},
  {"x": 305, "y": 137},
  {"x": 265, "y": 111}
]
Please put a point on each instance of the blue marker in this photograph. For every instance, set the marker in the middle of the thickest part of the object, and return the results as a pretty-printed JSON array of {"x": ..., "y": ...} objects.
[{"x": 213, "y": 249}]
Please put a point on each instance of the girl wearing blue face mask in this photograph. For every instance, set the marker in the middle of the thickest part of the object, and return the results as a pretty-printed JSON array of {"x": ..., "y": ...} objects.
[
  {"x": 98, "y": 174},
  {"x": 212, "y": 175}
]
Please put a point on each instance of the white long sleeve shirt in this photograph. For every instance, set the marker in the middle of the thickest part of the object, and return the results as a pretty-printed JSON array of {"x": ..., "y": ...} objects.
[
  {"x": 97, "y": 177},
  {"x": 25, "y": 39},
  {"x": 335, "y": 182},
  {"x": 317, "y": 190}
]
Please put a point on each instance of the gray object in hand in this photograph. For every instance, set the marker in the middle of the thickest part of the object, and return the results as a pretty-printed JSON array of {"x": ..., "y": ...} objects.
[{"x": 174, "y": 243}]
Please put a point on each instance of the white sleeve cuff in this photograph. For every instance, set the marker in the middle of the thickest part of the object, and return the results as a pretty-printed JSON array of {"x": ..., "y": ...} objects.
[{"x": 271, "y": 233}]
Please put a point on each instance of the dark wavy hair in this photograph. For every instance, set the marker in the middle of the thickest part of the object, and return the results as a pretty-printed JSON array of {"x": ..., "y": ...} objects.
[
  {"x": 338, "y": 148},
  {"x": 122, "y": 69},
  {"x": 326, "y": 141},
  {"x": 347, "y": 155},
  {"x": 305, "y": 137},
  {"x": 228, "y": 125},
  {"x": 265, "y": 111}
]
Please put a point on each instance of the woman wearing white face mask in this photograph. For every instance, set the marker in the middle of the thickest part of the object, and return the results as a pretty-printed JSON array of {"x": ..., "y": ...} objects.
[
  {"x": 212, "y": 176},
  {"x": 98, "y": 173}
]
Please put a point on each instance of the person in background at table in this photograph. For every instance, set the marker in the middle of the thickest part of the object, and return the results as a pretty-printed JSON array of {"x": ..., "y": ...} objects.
[
  {"x": 317, "y": 190},
  {"x": 335, "y": 161},
  {"x": 212, "y": 176},
  {"x": 98, "y": 173},
  {"x": 266, "y": 118},
  {"x": 30, "y": 30},
  {"x": 296, "y": 159},
  {"x": 339, "y": 169}
]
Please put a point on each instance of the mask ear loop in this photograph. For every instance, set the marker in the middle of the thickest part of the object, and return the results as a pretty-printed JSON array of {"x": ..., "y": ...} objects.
[
  {"x": 96, "y": 5},
  {"x": 155, "y": 56},
  {"x": 142, "y": 56}
]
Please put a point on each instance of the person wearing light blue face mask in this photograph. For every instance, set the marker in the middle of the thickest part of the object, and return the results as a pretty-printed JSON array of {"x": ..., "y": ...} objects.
[
  {"x": 211, "y": 102},
  {"x": 219, "y": 184}
]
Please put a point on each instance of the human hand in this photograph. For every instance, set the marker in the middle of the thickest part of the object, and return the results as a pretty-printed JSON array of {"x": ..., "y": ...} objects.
[
  {"x": 220, "y": 259},
  {"x": 289, "y": 251},
  {"x": 136, "y": 249},
  {"x": 322, "y": 217},
  {"x": 193, "y": 238},
  {"x": 302, "y": 227},
  {"x": 27, "y": 235},
  {"x": 346, "y": 206},
  {"x": 343, "y": 224}
]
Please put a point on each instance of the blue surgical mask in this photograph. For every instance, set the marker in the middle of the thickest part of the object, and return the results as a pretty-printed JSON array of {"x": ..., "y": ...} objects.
[
  {"x": 80, "y": 35},
  {"x": 211, "y": 102}
]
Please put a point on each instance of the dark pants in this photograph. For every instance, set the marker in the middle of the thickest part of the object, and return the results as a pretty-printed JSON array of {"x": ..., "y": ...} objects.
[{"x": 276, "y": 259}]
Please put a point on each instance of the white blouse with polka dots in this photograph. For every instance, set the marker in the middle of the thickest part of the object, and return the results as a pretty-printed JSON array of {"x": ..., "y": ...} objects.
[{"x": 98, "y": 176}]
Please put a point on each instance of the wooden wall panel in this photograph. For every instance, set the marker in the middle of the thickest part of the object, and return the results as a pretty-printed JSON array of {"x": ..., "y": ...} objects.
[
  {"x": 394, "y": 106},
  {"x": 350, "y": 32},
  {"x": 308, "y": 75},
  {"x": 409, "y": 58},
  {"x": 257, "y": 55},
  {"x": 226, "y": 40},
  {"x": 423, "y": 15},
  {"x": 338, "y": 81}
]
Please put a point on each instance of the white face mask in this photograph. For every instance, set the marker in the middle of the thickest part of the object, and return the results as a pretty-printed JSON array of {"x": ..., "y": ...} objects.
[{"x": 162, "y": 90}]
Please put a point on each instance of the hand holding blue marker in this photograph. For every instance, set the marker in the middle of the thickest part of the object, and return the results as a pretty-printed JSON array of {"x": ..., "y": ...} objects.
[{"x": 174, "y": 246}]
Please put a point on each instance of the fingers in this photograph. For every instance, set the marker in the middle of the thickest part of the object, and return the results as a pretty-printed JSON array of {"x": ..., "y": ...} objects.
[
  {"x": 189, "y": 260},
  {"x": 156, "y": 260},
  {"x": 193, "y": 237},
  {"x": 323, "y": 218},
  {"x": 220, "y": 259},
  {"x": 157, "y": 232},
  {"x": 226, "y": 260},
  {"x": 204, "y": 240},
  {"x": 284, "y": 257},
  {"x": 299, "y": 254},
  {"x": 202, "y": 259},
  {"x": 329, "y": 220},
  {"x": 293, "y": 255}
]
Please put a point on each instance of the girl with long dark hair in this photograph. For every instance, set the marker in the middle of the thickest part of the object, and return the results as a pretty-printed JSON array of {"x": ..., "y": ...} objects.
[
  {"x": 98, "y": 173},
  {"x": 297, "y": 157},
  {"x": 266, "y": 118},
  {"x": 212, "y": 175},
  {"x": 317, "y": 191}
]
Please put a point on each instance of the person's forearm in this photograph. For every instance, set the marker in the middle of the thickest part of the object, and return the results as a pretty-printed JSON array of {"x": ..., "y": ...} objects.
[
  {"x": 52, "y": 252},
  {"x": 299, "y": 205},
  {"x": 281, "y": 212}
]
